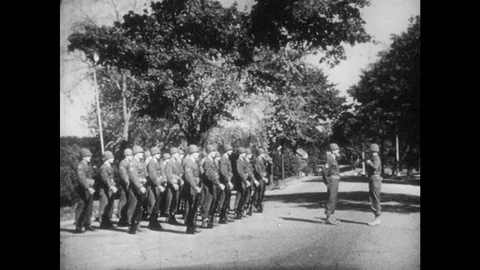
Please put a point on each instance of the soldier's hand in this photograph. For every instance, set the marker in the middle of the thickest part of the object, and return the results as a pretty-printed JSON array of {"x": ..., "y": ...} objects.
[
  {"x": 248, "y": 184},
  {"x": 256, "y": 183},
  {"x": 91, "y": 190},
  {"x": 230, "y": 185},
  {"x": 265, "y": 179},
  {"x": 198, "y": 189},
  {"x": 162, "y": 189},
  {"x": 113, "y": 189},
  {"x": 222, "y": 186},
  {"x": 176, "y": 187},
  {"x": 180, "y": 182},
  {"x": 143, "y": 189}
]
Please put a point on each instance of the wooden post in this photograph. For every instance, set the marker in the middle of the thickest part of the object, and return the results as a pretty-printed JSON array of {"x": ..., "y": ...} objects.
[
  {"x": 283, "y": 169},
  {"x": 397, "y": 155},
  {"x": 98, "y": 109},
  {"x": 363, "y": 162}
]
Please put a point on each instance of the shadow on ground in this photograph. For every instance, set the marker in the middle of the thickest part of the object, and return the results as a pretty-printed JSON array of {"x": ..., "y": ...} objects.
[
  {"x": 354, "y": 201},
  {"x": 364, "y": 179},
  {"x": 321, "y": 220}
]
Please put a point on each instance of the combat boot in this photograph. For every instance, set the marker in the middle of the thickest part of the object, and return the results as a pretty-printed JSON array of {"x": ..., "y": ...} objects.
[
  {"x": 222, "y": 220},
  {"x": 172, "y": 220},
  {"x": 106, "y": 225},
  {"x": 204, "y": 224},
  {"x": 330, "y": 221},
  {"x": 154, "y": 225},
  {"x": 79, "y": 230},
  {"x": 89, "y": 228},
  {"x": 238, "y": 216},
  {"x": 375, "y": 222}
]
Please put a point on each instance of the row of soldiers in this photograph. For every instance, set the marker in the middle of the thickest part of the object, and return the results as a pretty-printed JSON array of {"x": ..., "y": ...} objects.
[{"x": 151, "y": 184}]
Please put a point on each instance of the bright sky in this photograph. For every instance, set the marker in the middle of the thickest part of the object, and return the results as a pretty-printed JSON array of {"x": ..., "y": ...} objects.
[{"x": 383, "y": 18}]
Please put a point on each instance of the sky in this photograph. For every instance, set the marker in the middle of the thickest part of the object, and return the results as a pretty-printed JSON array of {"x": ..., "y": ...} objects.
[{"x": 383, "y": 18}]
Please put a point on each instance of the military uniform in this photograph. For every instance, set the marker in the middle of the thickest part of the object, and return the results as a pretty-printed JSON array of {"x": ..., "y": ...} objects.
[
  {"x": 192, "y": 197},
  {"x": 226, "y": 175},
  {"x": 211, "y": 183},
  {"x": 173, "y": 175},
  {"x": 150, "y": 201},
  {"x": 156, "y": 179},
  {"x": 240, "y": 185},
  {"x": 137, "y": 176},
  {"x": 248, "y": 193},
  {"x": 83, "y": 212},
  {"x": 107, "y": 192},
  {"x": 373, "y": 169},
  {"x": 127, "y": 203},
  {"x": 332, "y": 177},
  {"x": 260, "y": 173}
]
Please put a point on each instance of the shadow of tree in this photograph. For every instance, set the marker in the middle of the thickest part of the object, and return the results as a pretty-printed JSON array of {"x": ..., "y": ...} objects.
[
  {"x": 364, "y": 179},
  {"x": 322, "y": 220},
  {"x": 354, "y": 200}
]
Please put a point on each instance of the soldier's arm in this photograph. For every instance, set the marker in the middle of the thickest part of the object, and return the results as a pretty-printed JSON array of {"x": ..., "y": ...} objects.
[
  {"x": 124, "y": 174},
  {"x": 152, "y": 172},
  {"x": 133, "y": 176},
  {"x": 105, "y": 176},
  {"x": 82, "y": 177},
  {"x": 241, "y": 171},
  {"x": 224, "y": 169},
  {"x": 189, "y": 177},
  {"x": 376, "y": 164},
  {"x": 169, "y": 173}
]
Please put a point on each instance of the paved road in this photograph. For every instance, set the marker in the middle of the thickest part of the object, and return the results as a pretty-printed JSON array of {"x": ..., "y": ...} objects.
[{"x": 289, "y": 234}]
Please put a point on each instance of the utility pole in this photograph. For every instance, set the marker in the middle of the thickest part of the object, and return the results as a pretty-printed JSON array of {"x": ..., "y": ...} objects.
[
  {"x": 96, "y": 58},
  {"x": 363, "y": 162},
  {"x": 397, "y": 155}
]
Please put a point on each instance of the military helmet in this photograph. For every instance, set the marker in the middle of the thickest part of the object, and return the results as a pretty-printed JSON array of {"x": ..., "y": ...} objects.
[
  {"x": 227, "y": 147},
  {"x": 173, "y": 150},
  {"x": 84, "y": 152},
  {"x": 127, "y": 152},
  {"x": 166, "y": 156},
  {"x": 374, "y": 147},
  {"x": 181, "y": 152},
  {"x": 147, "y": 153},
  {"x": 241, "y": 150},
  {"x": 217, "y": 154},
  {"x": 137, "y": 149},
  {"x": 155, "y": 150},
  {"x": 248, "y": 151},
  {"x": 210, "y": 148},
  {"x": 107, "y": 155},
  {"x": 334, "y": 146},
  {"x": 261, "y": 151},
  {"x": 192, "y": 148}
]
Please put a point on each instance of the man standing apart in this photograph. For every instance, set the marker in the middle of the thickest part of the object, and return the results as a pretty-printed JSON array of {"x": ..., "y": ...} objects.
[
  {"x": 192, "y": 192},
  {"x": 155, "y": 186},
  {"x": 261, "y": 176},
  {"x": 226, "y": 179},
  {"x": 173, "y": 179},
  {"x": 137, "y": 176},
  {"x": 83, "y": 212},
  {"x": 126, "y": 204},
  {"x": 107, "y": 190},
  {"x": 331, "y": 176},
  {"x": 374, "y": 167}
]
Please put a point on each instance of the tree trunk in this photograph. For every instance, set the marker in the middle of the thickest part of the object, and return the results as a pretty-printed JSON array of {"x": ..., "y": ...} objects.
[
  {"x": 382, "y": 148},
  {"x": 283, "y": 166},
  {"x": 126, "y": 115}
]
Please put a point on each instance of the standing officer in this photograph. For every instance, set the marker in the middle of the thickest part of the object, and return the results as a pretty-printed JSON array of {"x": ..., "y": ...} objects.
[
  {"x": 192, "y": 192},
  {"x": 331, "y": 176},
  {"x": 137, "y": 176},
  {"x": 210, "y": 184},
  {"x": 226, "y": 179},
  {"x": 260, "y": 173},
  {"x": 126, "y": 204},
  {"x": 241, "y": 183},
  {"x": 173, "y": 179},
  {"x": 83, "y": 212},
  {"x": 373, "y": 168},
  {"x": 251, "y": 179},
  {"x": 107, "y": 191},
  {"x": 155, "y": 186}
]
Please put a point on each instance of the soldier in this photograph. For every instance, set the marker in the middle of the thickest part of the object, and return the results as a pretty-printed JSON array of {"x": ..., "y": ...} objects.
[
  {"x": 251, "y": 179},
  {"x": 192, "y": 192},
  {"x": 260, "y": 174},
  {"x": 210, "y": 184},
  {"x": 163, "y": 164},
  {"x": 150, "y": 201},
  {"x": 226, "y": 179},
  {"x": 179, "y": 162},
  {"x": 126, "y": 204},
  {"x": 241, "y": 184},
  {"x": 137, "y": 176},
  {"x": 83, "y": 212},
  {"x": 331, "y": 177},
  {"x": 107, "y": 191},
  {"x": 155, "y": 185},
  {"x": 373, "y": 169},
  {"x": 173, "y": 179}
]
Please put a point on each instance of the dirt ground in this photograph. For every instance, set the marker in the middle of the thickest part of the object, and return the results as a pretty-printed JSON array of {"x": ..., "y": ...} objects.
[{"x": 290, "y": 234}]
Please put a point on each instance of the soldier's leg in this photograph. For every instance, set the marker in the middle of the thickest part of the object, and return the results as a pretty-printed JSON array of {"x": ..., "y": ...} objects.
[
  {"x": 168, "y": 203},
  {"x": 150, "y": 201},
  {"x": 110, "y": 205},
  {"x": 332, "y": 199},
  {"x": 328, "y": 203},
  {"x": 103, "y": 200},
  {"x": 80, "y": 210},
  {"x": 89, "y": 210},
  {"x": 213, "y": 205},
  {"x": 207, "y": 204},
  {"x": 225, "y": 204},
  {"x": 239, "y": 201},
  {"x": 374, "y": 194},
  {"x": 261, "y": 193},
  {"x": 154, "y": 224},
  {"x": 131, "y": 205},
  {"x": 137, "y": 213},
  {"x": 122, "y": 202}
]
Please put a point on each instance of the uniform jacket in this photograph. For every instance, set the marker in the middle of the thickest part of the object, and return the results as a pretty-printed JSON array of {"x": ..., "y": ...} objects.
[
  {"x": 85, "y": 175},
  {"x": 241, "y": 173},
  {"x": 123, "y": 169},
  {"x": 374, "y": 168},
  {"x": 136, "y": 173},
  {"x": 106, "y": 175},
  {"x": 248, "y": 169},
  {"x": 191, "y": 175},
  {"x": 211, "y": 172},
  {"x": 225, "y": 169},
  {"x": 155, "y": 173},
  {"x": 260, "y": 168},
  {"x": 171, "y": 171},
  {"x": 331, "y": 167}
]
